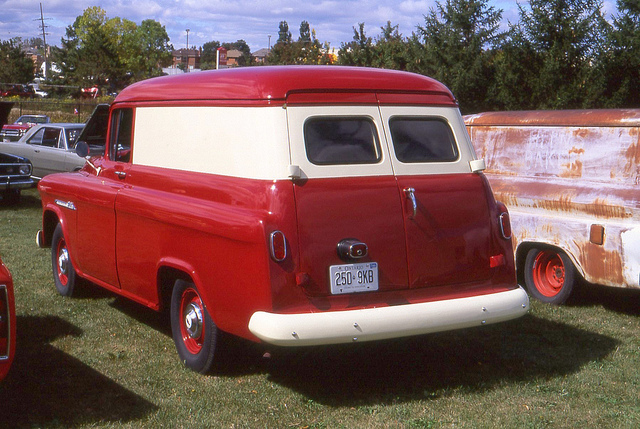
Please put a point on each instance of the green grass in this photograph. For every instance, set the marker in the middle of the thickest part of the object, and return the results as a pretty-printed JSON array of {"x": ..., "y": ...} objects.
[{"x": 102, "y": 361}]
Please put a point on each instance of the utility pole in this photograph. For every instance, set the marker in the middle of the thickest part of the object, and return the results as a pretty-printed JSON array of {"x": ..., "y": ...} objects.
[
  {"x": 187, "y": 67},
  {"x": 44, "y": 41}
]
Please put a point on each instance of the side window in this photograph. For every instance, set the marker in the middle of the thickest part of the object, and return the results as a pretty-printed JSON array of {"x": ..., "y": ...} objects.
[
  {"x": 36, "y": 139},
  {"x": 51, "y": 137},
  {"x": 336, "y": 141},
  {"x": 419, "y": 139},
  {"x": 121, "y": 134}
]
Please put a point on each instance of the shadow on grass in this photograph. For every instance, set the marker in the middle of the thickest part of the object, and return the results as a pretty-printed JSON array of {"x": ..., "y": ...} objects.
[
  {"x": 624, "y": 301},
  {"x": 29, "y": 200},
  {"x": 427, "y": 367},
  {"x": 46, "y": 387}
]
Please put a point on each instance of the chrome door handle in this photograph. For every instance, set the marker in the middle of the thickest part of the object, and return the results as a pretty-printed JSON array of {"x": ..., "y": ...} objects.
[
  {"x": 410, "y": 194},
  {"x": 121, "y": 174}
]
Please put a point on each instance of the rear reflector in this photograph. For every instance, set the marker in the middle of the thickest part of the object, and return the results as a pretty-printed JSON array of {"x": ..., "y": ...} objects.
[
  {"x": 496, "y": 261},
  {"x": 278, "y": 246}
]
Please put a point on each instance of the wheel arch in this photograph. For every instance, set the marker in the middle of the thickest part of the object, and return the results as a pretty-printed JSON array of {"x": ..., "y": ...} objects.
[
  {"x": 524, "y": 247},
  {"x": 50, "y": 219},
  {"x": 166, "y": 278}
]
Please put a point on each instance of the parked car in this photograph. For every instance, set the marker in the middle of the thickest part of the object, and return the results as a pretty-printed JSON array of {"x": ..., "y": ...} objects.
[
  {"x": 571, "y": 180},
  {"x": 49, "y": 147},
  {"x": 23, "y": 91},
  {"x": 15, "y": 175},
  {"x": 13, "y": 132},
  {"x": 289, "y": 205},
  {"x": 7, "y": 321}
]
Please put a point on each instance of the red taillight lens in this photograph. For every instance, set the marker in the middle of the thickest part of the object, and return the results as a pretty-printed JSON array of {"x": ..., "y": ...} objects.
[
  {"x": 504, "y": 220},
  {"x": 278, "y": 246}
]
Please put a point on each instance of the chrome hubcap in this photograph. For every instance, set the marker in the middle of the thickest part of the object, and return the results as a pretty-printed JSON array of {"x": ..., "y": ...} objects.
[
  {"x": 193, "y": 320},
  {"x": 63, "y": 261}
]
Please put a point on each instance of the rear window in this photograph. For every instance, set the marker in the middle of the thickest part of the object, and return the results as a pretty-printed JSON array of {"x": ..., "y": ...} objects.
[
  {"x": 335, "y": 141},
  {"x": 423, "y": 140}
]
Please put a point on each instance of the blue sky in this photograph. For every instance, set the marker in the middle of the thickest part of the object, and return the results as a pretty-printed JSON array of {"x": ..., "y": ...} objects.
[{"x": 230, "y": 20}]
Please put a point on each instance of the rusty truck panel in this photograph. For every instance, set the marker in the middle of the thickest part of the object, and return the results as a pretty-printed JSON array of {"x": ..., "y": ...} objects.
[{"x": 571, "y": 180}]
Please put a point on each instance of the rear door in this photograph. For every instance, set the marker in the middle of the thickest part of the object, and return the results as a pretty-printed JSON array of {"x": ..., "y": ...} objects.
[
  {"x": 445, "y": 208},
  {"x": 347, "y": 200}
]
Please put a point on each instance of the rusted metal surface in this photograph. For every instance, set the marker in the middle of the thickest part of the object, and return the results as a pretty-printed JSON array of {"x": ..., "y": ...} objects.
[{"x": 562, "y": 172}]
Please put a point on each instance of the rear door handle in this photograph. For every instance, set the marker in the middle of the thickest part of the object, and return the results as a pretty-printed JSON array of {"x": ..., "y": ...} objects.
[{"x": 410, "y": 193}]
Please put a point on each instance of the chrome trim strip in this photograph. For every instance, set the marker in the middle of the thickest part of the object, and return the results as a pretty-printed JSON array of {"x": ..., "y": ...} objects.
[
  {"x": 272, "y": 248},
  {"x": 502, "y": 215},
  {"x": 66, "y": 204}
]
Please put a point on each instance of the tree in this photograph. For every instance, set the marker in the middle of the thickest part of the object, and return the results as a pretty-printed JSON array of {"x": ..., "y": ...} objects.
[
  {"x": 391, "y": 50},
  {"x": 209, "y": 55},
  {"x": 154, "y": 48},
  {"x": 358, "y": 52},
  {"x": 284, "y": 35},
  {"x": 559, "y": 40},
  {"x": 15, "y": 67},
  {"x": 305, "y": 32},
  {"x": 459, "y": 38},
  {"x": 619, "y": 66},
  {"x": 111, "y": 52},
  {"x": 307, "y": 50}
]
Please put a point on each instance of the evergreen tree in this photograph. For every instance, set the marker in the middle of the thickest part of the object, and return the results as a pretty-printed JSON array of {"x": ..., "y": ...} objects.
[
  {"x": 15, "y": 67},
  {"x": 619, "y": 66},
  {"x": 358, "y": 52},
  {"x": 458, "y": 40},
  {"x": 549, "y": 56}
]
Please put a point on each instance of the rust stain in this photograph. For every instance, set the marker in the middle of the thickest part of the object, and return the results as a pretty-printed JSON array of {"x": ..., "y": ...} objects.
[
  {"x": 573, "y": 170},
  {"x": 601, "y": 265},
  {"x": 576, "y": 150},
  {"x": 580, "y": 133}
]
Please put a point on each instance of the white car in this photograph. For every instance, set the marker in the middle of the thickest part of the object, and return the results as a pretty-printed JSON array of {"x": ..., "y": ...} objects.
[{"x": 49, "y": 147}]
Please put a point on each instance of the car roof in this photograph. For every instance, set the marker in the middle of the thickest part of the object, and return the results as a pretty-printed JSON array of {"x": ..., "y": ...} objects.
[
  {"x": 272, "y": 85},
  {"x": 62, "y": 125}
]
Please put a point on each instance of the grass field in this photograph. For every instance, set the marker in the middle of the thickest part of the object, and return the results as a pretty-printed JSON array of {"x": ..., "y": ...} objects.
[{"x": 101, "y": 361}]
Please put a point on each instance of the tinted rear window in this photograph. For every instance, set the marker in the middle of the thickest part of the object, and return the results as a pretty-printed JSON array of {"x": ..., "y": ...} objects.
[
  {"x": 423, "y": 140},
  {"x": 334, "y": 141}
]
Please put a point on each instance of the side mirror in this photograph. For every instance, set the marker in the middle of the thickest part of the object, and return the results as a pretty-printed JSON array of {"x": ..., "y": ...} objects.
[{"x": 82, "y": 149}]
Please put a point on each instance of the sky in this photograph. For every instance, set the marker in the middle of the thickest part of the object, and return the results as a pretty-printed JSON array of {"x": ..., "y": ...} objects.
[{"x": 231, "y": 20}]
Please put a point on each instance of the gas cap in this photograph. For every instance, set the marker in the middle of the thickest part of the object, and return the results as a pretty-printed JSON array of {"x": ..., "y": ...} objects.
[{"x": 351, "y": 248}]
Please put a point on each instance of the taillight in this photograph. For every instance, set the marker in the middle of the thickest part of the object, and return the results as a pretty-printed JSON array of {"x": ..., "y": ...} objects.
[
  {"x": 504, "y": 220},
  {"x": 4, "y": 322},
  {"x": 278, "y": 246}
]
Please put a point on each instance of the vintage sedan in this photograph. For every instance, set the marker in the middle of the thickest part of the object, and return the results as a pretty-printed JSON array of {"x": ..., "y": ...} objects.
[
  {"x": 15, "y": 175},
  {"x": 49, "y": 147},
  {"x": 7, "y": 321}
]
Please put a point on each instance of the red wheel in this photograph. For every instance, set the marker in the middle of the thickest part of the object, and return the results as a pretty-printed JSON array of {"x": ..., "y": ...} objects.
[
  {"x": 194, "y": 333},
  {"x": 192, "y": 327},
  {"x": 64, "y": 275},
  {"x": 549, "y": 275}
]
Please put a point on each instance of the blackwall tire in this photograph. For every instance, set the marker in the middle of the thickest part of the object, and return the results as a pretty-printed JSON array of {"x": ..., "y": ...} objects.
[
  {"x": 194, "y": 333},
  {"x": 549, "y": 275},
  {"x": 64, "y": 275}
]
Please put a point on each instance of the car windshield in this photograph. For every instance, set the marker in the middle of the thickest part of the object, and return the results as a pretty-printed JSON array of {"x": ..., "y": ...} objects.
[
  {"x": 32, "y": 119},
  {"x": 72, "y": 136}
]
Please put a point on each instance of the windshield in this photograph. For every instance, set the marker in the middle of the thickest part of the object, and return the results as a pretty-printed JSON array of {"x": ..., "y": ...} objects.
[{"x": 32, "y": 119}]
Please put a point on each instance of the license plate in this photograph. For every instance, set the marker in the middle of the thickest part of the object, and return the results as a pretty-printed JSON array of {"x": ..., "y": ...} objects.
[{"x": 353, "y": 278}]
